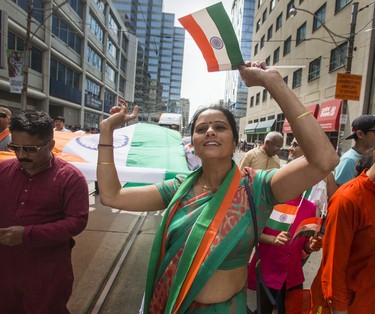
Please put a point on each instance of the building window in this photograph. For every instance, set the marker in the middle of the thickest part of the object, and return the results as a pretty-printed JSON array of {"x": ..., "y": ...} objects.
[
  {"x": 37, "y": 11},
  {"x": 256, "y": 50},
  {"x": 111, "y": 48},
  {"x": 264, "y": 95},
  {"x": 93, "y": 88},
  {"x": 268, "y": 60},
  {"x": 285, "y": 78},
  {"x": 340, "y": 4},
  {"x": 297, "y": 78},
  {"x": 257, "y": 99},
  {"x": 258, "y": 25},
  {"x": 110, "y": 73},
  {"x": 269, "y": 32},
  {"x": 17, "y": 43},
  {"x": 287, "y": 45},
  {"x": 272, "y": 5},
  {"x": 301, "y": 34},
  {"x": 279, "y": 21},
  {"x": 276, "y": 55},
  {"x": 66, "y": 34},
  {"x": 63, "y": 74},
  {"x": 252, "y": 102},
  {"x": 77, "y": 6},
  {"x": 338, "y": 57},
  {"x": 288, "y": 7},
  {"x": 96, "y": 29},
  {"x": 94, "y": 59},
  {"x": 264, "y": 16},
  {"x": 314, "y": 69},
  {"x": 320, "y": 17},
  {"x": 262, "y": 40}
]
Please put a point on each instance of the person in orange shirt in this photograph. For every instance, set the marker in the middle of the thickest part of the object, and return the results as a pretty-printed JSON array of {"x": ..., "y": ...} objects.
[{"x": 345, "y": 283}]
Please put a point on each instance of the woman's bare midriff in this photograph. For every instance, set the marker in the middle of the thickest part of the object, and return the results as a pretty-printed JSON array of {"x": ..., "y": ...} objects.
[{"x": 223, "y": 285}]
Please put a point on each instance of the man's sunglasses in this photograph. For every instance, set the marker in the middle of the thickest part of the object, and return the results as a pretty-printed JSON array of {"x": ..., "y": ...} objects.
[
  {"x": 26, "y": 149},
  {"x": 3, "y": 115}
]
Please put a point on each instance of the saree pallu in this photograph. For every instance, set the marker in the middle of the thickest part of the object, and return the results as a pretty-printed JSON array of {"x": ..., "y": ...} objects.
[{"x": 182, "y": 233}]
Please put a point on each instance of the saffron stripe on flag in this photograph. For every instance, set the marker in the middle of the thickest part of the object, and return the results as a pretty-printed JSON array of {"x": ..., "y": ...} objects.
[
  {"x": 308, "y": 227},
  {"x": 189, "y": 23},
  {"x": 282, "y": 217},
  {"x": 213, "y": 33}
]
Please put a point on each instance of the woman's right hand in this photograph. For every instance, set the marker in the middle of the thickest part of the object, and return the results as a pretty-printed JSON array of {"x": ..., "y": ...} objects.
[
  {"x": 119, "y": 116},
  {"x": 282, "y": 238}
]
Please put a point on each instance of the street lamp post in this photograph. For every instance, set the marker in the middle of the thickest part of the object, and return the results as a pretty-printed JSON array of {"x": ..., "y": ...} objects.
[
  {"x": 29, "y": 37},
  {"x": 349, "y": 59}
]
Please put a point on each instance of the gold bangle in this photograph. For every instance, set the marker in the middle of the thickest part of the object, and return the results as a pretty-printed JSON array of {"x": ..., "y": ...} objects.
[
  {"x": 300, "y": 116},
  {"x": 105, "y": 163}
]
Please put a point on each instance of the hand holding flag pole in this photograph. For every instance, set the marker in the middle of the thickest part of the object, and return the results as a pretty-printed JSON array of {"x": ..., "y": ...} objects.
[{"x": 213, "y": 32}]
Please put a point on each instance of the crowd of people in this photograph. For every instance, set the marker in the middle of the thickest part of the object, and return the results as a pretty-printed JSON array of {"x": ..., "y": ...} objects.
[{"x": 200, "y": 261}]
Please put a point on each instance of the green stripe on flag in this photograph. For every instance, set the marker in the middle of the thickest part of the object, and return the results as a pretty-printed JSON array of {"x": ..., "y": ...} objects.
[
  {"x": 154, "y": 146},
  {"x": 276, "y": 225},
  {"x": 225, "y": 27}
]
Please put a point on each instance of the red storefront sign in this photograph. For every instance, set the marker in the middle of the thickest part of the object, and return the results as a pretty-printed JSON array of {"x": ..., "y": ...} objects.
[
  {"x": 329, "y": 115},
  {"x": 313, "y": 108}
]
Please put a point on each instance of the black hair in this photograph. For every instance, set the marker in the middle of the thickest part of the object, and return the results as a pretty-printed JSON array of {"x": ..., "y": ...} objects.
[
  {"x": 61, "y": 118},
  {"x": 365, "y": 161},
  {"x": 229, "y": 115},
  {"x": 34, "y": 123}
]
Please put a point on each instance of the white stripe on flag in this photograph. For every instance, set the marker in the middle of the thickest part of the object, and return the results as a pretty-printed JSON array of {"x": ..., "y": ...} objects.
[
  {"x": 281, "y": 217},
  {"x": 209, "y": 28}
]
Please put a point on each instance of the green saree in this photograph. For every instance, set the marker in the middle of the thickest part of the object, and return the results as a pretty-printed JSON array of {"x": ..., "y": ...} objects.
[{"x": 182, "y": 259}]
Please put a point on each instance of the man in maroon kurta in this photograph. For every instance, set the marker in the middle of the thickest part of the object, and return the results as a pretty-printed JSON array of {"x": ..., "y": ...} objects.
[{"x": 44, "y": 203}]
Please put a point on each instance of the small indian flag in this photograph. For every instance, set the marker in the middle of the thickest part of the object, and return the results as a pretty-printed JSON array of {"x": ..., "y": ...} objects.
[
  {"x": 282, "y": 217},
  {"x": 308, "y": 227},
  {"x": 213, "y": 32}
]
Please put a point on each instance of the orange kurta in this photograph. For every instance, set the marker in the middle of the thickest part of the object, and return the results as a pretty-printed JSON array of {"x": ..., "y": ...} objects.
[{"x": 347, "y": 273}]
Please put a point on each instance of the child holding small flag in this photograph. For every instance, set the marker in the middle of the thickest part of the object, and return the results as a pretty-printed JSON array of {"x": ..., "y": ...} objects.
[{"x": 281, "y": 256}]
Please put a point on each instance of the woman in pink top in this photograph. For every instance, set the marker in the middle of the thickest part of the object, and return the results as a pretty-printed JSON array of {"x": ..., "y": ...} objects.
[{"x": 282, "y": 259}]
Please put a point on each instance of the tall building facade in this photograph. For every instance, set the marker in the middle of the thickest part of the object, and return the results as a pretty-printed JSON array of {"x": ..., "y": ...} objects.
[
  {"x": 242, "y": 17},
  {"x": 160, "y": 55},
  {"x": 82, "y": 58},
  {"x": 313, "y": 41}
]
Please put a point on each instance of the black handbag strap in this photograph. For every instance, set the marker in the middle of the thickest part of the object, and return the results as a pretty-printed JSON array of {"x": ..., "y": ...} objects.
[{"x": 259, "y": 276}]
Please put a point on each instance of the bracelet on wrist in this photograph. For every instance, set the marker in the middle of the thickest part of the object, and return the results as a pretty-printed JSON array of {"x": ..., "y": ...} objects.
[
  {"x": 105, "y": 163},
  {"x": 300, "y": 117}
]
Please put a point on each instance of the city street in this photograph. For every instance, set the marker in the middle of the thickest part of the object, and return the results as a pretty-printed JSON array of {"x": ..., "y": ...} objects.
[{"x": 111, "y": 256}]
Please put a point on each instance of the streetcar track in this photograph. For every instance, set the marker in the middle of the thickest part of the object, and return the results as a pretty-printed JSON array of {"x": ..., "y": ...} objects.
[{"x": 120, "y": 262}]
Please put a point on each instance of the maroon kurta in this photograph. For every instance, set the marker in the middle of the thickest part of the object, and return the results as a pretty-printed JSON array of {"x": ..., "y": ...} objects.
[{"x": 36, "y": 276}]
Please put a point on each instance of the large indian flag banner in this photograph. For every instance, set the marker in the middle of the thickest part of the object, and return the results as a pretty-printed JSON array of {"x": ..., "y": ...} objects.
[
  {"x": 213, "y": 32},
  {"x": 144, "y": 153}
]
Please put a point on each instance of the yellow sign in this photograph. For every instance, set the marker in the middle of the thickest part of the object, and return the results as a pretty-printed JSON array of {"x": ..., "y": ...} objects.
[{"x": 348, "y": 86}]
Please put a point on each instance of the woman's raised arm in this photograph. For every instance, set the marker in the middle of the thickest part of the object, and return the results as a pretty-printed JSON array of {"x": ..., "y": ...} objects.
[
  {"x": 111, "y": 192},
  {"x": 319, "y": 154}
]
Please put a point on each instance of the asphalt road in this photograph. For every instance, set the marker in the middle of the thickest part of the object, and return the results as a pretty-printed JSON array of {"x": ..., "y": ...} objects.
[{"x": 110, "y": 260}]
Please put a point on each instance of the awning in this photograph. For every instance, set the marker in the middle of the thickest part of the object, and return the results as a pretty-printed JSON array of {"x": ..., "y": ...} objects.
[
  {"x": 250, "y": 128},
  {"x": 313, "y": 108},
  {"x": 329, "y": 115},
  {"x": 264, "y": 126}
]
